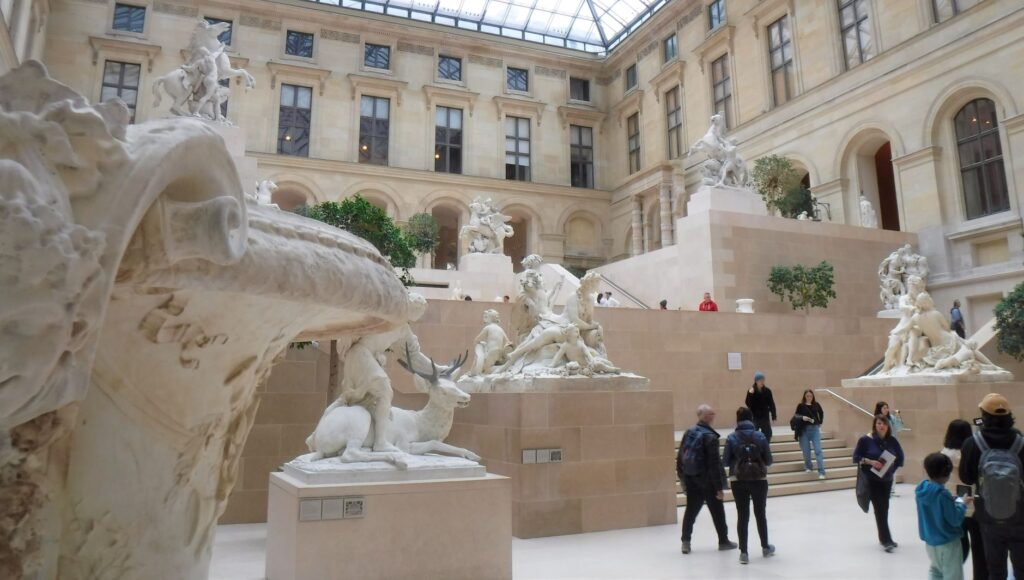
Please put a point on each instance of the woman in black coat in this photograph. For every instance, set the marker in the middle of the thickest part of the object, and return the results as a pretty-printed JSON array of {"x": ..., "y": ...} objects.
[{"x": 812, "y": 416}]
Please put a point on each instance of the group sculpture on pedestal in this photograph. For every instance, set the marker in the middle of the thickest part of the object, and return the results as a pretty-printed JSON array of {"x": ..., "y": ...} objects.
[
  {"x": 543, "y": 343},
  {"x": 194, "y": 87},
  {"x": 922, "y": 341},
  {"x": 487, "y": 228},
  {"x": 895, "y": 271},
  {"x": 724, "y": 167}
]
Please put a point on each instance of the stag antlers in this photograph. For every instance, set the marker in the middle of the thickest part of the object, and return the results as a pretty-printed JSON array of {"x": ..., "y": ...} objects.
[{"x": 434, "y": 375}]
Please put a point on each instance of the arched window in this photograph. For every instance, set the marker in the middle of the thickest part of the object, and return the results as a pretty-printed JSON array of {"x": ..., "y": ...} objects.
[{"x": 981, "y": 159}]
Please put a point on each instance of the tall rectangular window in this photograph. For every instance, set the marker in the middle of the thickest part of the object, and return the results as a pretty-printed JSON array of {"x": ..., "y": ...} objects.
[
  {"x": 780, "y": 56},
  {"x": 855, "y": 29},
  {"x": 377, "y": 56},
  {"x": 448, "y": 140},
  {"x": 225, "y": 36},
  {"x": 517, "y": 148},
  {"x": 129, "y": 18},
  {"x": 670, "y": 48},
  {"x": 716, "y": 14},
  {"x": 121, "y": 79},
  {"x": 294, "y": 120},
  {"x": 981, "y": 159},
  {"x": 299, "y": 44},
  {"x": 674, "y": 118},
  {"x": 581, "y": 156},
  {"x": 374, "y": 126},
  {"x": 517, "y": 79},
  {"x": 946, "y": 9},
  {"x": 722, "y": 87},
  {"x": 630, "y": 77},
  {"x": 579, "y": 89},
  {"x": 633, "y": 142},
  {"x": 449, "y": 68}
]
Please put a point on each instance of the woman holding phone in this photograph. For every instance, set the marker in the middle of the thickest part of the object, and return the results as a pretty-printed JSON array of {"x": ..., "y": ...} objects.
[
  {"x": 879, "y": 455},
  {"x": 891, "y": 415}
]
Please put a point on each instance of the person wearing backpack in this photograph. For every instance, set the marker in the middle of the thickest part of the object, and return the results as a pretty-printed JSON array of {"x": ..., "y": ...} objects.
[
  {"x": 702, "y": 476},
  {"x": 992, "y": 459},
  {"x": 748, "y": 456}
]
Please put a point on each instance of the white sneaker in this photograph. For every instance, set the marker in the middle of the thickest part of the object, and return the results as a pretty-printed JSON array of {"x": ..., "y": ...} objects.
[
  {"x": 821, "y": 476},
  {"x": 808, "y": 470}
]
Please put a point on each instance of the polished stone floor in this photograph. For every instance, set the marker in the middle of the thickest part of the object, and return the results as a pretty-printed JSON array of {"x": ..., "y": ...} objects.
[{"x": 823, "y": 535}]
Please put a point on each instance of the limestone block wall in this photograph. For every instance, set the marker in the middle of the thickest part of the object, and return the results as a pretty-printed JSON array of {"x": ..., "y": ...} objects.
[{"x": 683, "y": 353}]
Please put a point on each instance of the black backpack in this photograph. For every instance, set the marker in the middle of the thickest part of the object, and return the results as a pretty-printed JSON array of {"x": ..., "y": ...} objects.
[
  {"x": 1000, "y": 479},
  {"x": 750, "y": 464},
  {"x": 691, "y": 452}
]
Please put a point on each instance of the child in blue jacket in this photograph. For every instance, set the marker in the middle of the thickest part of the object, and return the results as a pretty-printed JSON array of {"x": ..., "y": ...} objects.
[{"x": 939, "y": 519}]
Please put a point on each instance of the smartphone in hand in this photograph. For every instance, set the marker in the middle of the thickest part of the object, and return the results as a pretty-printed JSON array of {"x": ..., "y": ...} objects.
[{"x": 962, "y": 490}]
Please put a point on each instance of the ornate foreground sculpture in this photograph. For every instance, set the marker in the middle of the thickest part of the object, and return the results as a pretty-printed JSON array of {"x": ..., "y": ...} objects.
[
  {"x": 724, "y": 167},
  {"x": 923, "y": 344},
  {"x": 894, "y": 273},
  {"x": 487, "y": 228},
  {"x": 194, "y": 87},
  {"x": 144, "y": 298}
]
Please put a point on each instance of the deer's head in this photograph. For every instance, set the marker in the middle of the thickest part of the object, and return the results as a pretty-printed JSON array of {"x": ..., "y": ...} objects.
[{"x": 439, "y": 385}]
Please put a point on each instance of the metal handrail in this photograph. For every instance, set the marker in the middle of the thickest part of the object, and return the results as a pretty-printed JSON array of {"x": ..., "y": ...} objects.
[
  {"x": 624, "y": 292},
  {"x": 850, "y": 403}
]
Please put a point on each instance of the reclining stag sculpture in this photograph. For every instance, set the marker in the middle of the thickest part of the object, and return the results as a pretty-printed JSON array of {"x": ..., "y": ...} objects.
[{"x": 347, "y": 430}]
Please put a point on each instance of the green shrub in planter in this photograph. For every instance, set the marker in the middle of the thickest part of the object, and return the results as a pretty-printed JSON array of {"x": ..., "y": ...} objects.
[
  {"x": 803, "y": 287},
  {"x": 1010, "y": 323}
]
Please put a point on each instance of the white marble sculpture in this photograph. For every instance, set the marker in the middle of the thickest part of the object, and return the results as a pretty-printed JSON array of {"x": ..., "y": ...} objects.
[
  {"x": 194, "y": 87},
  {"x": 143, "y": 230},
  {"x": 487, "y": 228},
  {"x": 264, "y": 193},
  {"x": 894, "y": 271},
  {"x": 456, "y": 291},
  {"x": 354, "y": 433},
  {"x": 868, "y": 217},
  {"x": 803, "y": 216},
  {"x": 922, "y": 344},
  {"x": 490, "y": 348},
  {"x": 724, "y": 167}
]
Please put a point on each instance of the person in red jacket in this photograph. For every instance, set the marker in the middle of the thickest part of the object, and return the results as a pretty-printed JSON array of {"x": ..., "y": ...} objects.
[{"x": 708, "y": 305}]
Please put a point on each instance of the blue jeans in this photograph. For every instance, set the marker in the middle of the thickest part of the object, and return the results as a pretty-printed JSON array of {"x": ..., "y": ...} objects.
[{"x": 812, "y": 436}]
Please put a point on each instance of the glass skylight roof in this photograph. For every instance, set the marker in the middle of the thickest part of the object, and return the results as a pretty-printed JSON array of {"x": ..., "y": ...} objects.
[{"x": 590, "y": 25}]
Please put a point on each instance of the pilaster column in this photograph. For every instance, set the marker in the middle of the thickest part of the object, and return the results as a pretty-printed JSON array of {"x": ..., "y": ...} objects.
[
  {"x": 638, "y": 226},
  {"x": 665, "y": 201}
]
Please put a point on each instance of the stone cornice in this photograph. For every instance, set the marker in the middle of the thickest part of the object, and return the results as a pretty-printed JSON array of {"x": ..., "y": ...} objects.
[
  {"x": 360, "y": 84},
  {"x": 144, "y": 49},
  {"x": 671, "y": 73},
  {"x": 1005, "y": 221},
  {"x": 633, "y": 101},
  {"x": 1014, "y": 124},
  {"x": 435, "y": 94},
  {"x": 470, "y": 182},
  {"x": 767, "y": 9},
  {"x": 919, "y": 157},
  {"x": 718, "y": 37},
  {"x": 591, "y": 115},
  {"x": 519, "y": 105},
  {"x": 295, "y": 70}
]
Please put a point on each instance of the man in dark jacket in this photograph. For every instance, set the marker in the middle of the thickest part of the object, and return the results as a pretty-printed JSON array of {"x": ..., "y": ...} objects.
[
  {"x": 999, "y": 538},
  {"x": 700, "y": 470},
  {"x": 762, "y": 405}
]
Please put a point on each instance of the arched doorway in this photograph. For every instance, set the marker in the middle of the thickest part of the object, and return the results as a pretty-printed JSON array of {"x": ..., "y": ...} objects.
[
  {"x": 447, "y": 251},
  {"x": 888, "y": 210},
  {"x": 289, "y": 199}
]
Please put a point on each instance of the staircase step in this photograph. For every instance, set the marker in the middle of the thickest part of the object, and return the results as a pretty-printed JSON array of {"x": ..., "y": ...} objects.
[
  {"x": 847, "y": 470},
  {"x": 797, "y": 488},
  {"x": 778, "y": 436}
]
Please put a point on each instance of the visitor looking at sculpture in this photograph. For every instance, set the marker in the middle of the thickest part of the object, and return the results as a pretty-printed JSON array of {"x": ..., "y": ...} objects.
[
  {"x": 992, "y": 460},
  {"x": 700, "y": 471},
  {"x": 879, "y": 455},
  {"x": 809, "y": 417},
  {"x": 748, "y": 455},
  {"x": 940, "y": 518},
  {"x": 956, "y": 319},
  {"x": 957, "y": 432},
  {"x": 762, "y": 404}
]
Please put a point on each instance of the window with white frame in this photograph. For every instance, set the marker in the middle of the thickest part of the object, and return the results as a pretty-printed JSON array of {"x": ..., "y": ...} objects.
[
  {"x": 374, "y": 127},
  {"x": 121, "y": 79},
  {"x": 517, "y": 148},
  {"x": 721, "y": 86},
  {"x": 859, "y": 44},
  {"x": 448, "y": 140},
  {"x": 780, "y": 60},
  {"x": 294, "y": 120},
  {"x": 981, "y": 159},
  {"x": 674, "y": 118}
]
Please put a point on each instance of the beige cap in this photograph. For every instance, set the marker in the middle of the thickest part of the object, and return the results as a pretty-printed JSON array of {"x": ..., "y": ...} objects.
[{"x": 995, "y": 404}]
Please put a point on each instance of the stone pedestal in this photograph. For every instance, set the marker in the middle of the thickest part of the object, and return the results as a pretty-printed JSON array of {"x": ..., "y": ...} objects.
[
  {"x": 729, "y": 199},
  {"x": 585, "y": 460},
  {"x": 486, "y": 276},
  {"x": 893, "y": 313},
  {"x": 419, "y": 529},
  {"x": 745, "y": 305}
]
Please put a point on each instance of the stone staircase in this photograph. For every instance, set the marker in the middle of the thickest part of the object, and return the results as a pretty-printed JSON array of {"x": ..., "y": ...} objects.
[{"x": 786, "y": 475}]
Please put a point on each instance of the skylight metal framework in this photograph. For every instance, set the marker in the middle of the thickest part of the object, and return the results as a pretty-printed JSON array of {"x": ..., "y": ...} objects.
[{"x": 595, "y": 26}]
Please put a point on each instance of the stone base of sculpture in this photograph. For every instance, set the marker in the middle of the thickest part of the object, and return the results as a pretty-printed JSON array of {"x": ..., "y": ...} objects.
[
  {"x": 731, "y": 199},
  {"x": 509, "y": 383},
  {"x": 420, "y": 529},
  {"x": 926, "y": 378},
  {"x": 420, "y": 468},
  {"x": 893, "y": 313}
]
